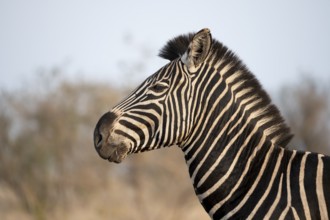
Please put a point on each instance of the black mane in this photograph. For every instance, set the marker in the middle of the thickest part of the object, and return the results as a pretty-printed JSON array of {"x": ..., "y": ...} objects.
[{"x": 177, "y": 46}]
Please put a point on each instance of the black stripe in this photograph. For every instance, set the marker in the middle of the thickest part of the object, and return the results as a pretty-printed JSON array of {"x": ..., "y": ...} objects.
[
  {"x": 294, "y": 184},
  {"x": 247, "y": 182},
  {"x": 283, "y": 191},
  {"x": 133, "y": 128},
  {"x": 326, "y": 181},
  {"x": 270, "y": 199},
  {"x": 124, "y": 134},
  {"x": 148, "y": 106},
  {"x": 310, "y": 185}
]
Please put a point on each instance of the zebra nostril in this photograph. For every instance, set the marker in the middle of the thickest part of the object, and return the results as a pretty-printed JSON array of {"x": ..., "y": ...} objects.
[
  {"x": 98, "y": 141},
  {"x": 97, "y": 138}
]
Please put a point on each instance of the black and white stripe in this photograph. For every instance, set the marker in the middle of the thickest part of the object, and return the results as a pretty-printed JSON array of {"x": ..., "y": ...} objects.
[{"x": 208, "y": 103}]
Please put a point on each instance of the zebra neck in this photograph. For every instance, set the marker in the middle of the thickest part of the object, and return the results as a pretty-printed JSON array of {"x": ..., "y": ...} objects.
[
  {"x": 222, "y": 175},
  {"x": 225, "y": 142},
  {"x": 217, "y": 166},
  {"x": 231, "y": 150}
]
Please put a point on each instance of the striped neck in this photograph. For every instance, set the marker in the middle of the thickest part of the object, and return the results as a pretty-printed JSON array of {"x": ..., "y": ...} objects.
[
  {"x": 217, "y": 162},
  {"x": 235, "y": 129}
]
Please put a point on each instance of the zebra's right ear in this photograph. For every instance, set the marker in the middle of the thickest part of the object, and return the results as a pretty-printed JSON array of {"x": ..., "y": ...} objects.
[{"x": 198, "y": 49}]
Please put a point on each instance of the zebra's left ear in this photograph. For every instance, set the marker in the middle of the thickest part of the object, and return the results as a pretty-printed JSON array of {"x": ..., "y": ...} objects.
[{"x": 198, "y": 49}]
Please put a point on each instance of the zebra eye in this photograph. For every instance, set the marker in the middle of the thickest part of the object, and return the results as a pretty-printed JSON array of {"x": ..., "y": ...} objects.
[{"x": 158, "y": 87}]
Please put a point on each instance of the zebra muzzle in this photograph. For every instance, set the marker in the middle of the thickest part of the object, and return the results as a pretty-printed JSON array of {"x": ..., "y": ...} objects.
[{"x": 107, "y": 144}]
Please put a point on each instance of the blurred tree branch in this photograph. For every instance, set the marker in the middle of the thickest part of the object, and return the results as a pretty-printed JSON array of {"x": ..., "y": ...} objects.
[
  {"x": 43, "y": 135},
  {"x": 306, "y": 107}
]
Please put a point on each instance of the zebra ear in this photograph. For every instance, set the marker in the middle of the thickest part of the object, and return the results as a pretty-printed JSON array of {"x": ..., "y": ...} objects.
[{"x": 198, "y": 49}]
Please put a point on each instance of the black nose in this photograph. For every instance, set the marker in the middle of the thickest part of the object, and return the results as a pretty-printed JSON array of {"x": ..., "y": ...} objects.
[{"x": 102, "y": 128}]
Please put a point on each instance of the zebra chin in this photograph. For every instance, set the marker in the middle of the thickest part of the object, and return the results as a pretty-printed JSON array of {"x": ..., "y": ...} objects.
[{"x": 113, "y": 152}]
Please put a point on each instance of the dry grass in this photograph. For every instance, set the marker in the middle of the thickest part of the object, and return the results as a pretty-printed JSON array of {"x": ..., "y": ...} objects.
[{"x": 50, "y": 170}]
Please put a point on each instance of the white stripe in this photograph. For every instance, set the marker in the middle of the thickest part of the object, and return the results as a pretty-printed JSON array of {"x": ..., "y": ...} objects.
[
  {"x": 253, "y": 187},
  {"x": 222, "y": 155},
  {"x": 302, "y": 186},
  {"x": 229, "y": 171},
  {"x": 232, "y": 77},
  {"x": 277, "y": 199},
  {"x": 288, "y": 189},
  {"x": 196, "y": 106},
  {"x": 130, "y": 132},
  {"x": 219, "y": 136},
  {"x": 204, "y": 127},
  {"x": 264, "y": 196},
  {"x": 295, "y": 214},
  {"x": 319, "y": 189}
]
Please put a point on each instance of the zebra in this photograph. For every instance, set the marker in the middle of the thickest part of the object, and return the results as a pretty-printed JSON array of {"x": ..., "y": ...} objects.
[{"x": 207, "y": 102}]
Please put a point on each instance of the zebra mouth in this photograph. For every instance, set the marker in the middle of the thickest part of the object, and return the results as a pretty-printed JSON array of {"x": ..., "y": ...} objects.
[
  {"x": 113, "y": 152},
  {"x": 119, "y": 154}
]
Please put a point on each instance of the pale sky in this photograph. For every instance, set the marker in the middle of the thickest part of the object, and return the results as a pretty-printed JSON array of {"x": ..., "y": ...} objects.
[{"x": 108, "y": 40}]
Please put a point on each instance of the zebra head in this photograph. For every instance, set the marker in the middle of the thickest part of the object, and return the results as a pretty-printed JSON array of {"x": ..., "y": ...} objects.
[{"x": 156, "y": 114}]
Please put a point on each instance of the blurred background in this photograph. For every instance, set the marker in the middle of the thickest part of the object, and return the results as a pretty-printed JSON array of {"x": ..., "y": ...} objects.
[{"x": 64, "y": 63}]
